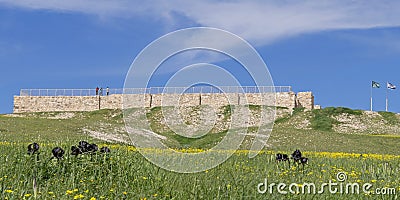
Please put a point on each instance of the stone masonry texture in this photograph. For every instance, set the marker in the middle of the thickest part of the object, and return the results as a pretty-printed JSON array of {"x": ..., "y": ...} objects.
[{"x": 118, "y": 101}]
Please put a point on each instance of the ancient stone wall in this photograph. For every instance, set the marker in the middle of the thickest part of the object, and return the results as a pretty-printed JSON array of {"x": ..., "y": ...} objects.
[
  {"x": 305, "y": 100},
  {"x": 286, "y": 99},
  {"x": 54, "y": 103},
  {"x": 117, "y": 101},
  {"x": 135, "y": 100},
  {"x": 217, "y": 100}
]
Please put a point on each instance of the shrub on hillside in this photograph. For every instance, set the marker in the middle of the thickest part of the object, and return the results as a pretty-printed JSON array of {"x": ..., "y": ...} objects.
[
  {"x": 390, "y": 117},
  {"x": 322, "y": 119}
]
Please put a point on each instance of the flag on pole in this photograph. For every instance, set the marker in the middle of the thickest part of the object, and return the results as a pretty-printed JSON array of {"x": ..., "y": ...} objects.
[
  {"x": 391, "y": 86},
  {"x": 375, "y": 84}
]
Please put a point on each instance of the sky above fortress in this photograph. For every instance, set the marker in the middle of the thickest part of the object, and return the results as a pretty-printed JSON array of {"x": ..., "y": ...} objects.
[{"x": 333, "y": 48}]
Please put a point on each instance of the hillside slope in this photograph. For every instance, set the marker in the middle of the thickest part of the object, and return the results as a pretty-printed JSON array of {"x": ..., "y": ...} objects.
[
  {"x": 345, "y": 120},
  {"x": 329, "y": 129}
]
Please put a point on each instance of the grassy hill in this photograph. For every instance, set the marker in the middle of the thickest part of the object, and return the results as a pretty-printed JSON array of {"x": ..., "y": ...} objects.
[
  {"x": 322, "y": 135},
  {"x": 329, "y": 129}
]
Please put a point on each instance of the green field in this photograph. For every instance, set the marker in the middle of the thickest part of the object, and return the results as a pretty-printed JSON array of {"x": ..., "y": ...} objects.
[{"x": 365, "y": 148}]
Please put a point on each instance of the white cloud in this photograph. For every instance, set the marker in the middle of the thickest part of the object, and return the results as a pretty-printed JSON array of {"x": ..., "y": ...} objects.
[
  {"x": 259, "y": 21},
  {"x": 266, "y": 22}
]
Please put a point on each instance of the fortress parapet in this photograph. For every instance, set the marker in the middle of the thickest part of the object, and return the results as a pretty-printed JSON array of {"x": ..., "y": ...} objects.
[{"x": 50, "y": 100}]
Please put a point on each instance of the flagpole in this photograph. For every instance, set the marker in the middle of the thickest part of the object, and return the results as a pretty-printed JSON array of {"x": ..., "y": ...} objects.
[
  {"x": 371, "y": 99},
  {"x": 387, "y": 96}
]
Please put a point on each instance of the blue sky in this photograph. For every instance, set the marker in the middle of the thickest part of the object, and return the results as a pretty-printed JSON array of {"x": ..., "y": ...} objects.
[{"x": 333, "y": 48}]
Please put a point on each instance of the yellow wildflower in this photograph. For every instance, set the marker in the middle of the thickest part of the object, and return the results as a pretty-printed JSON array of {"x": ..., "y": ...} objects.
[
  {"x": 79, "y": 196},
  {"x": 69, "y": 192}
]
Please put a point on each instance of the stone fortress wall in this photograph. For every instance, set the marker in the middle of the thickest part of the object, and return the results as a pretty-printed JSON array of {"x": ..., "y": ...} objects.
[{"x": 27, "y": 103}]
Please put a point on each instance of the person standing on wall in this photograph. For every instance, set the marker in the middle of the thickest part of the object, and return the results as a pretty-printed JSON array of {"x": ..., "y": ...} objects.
[
  {"x": 97, "y": 91},
  {"x": 107, "y": 91},
  {"x": 101, "y": 91}
]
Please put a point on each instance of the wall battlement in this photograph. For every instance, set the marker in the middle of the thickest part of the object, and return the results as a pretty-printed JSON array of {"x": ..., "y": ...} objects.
[{"x": 115, "y": 101}]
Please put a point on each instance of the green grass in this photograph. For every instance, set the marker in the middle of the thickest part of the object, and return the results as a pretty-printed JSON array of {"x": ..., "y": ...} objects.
[
  {"x": 322, "y": 118},
  {"x": 37, "y": 127},
  {"x": 314, "y": 140},
  {"x": 227, "y": 111},
  {"x": 322, "y": 121},
  {"x": 126, "y": 174},
  {"x": 281, "y": 120},
  {"x": 390, "y": 117},
  {"x": 330, "y": 111},
  {"x": 298, "y": 110}
]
